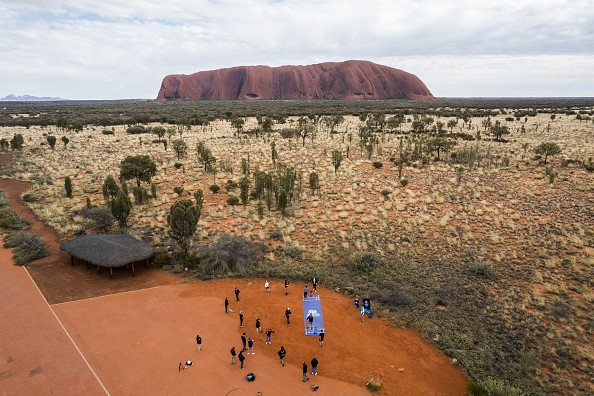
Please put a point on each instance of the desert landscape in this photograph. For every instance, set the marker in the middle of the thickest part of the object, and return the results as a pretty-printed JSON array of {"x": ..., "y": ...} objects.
[{"x": 451, "y": 216}]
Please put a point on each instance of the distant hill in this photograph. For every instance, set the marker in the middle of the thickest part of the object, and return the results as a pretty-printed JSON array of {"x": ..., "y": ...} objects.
[
  {"x": 349, "y": 80},
  {"x": 29, "y": 98}
]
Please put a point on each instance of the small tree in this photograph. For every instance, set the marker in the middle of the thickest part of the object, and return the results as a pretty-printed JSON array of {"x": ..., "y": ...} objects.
[
  {"x": 68, "y": 186},
  {"x": 120, "y": 207},
  {"x": 139, "y": 167},
  {"x": 205, "y": 156},
  {"x": 546, "y": 149},
  {"x": 199, "y": 197},
  {"x": 244, "y": 185},
  {"x": 110, "y": 188},
  {"x": 159, "y": 131},
  {"x": 180, "y": 147},
  {"x": 283, "y": 202},
  {"x": 17, "y": 142},
  {"x": 101, "y": 217},
  {"x": 65, "y": 140},
  {"x": 51, "y": 140},
  {"x": 238, "y": 123},
  {"x": 499, "y": 130},
  {"x": 336, "y": 160},
  {"x": 314, "y": 182},
  {"x": 182, "y": 221}
]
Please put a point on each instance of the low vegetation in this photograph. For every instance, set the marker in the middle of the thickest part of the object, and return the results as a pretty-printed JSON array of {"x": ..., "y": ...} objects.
[{"x": 468, "y": 220}]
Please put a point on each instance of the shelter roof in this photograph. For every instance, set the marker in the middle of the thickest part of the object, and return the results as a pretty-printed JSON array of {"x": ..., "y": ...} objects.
[{"x": 108, "y": 250}]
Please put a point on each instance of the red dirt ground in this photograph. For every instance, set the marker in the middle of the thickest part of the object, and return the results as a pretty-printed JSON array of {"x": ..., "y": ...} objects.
[
  {"x": 135, "y": 340},
  {"x": 36, "y": 356},
  {"x": 128, "y": 336}
]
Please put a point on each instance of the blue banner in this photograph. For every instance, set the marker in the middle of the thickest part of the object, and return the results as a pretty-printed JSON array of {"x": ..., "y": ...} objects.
[{"x": 312, "y": 316}]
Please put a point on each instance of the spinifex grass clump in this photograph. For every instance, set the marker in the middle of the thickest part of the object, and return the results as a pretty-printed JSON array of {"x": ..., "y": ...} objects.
[{"x": 27, "y": 247}]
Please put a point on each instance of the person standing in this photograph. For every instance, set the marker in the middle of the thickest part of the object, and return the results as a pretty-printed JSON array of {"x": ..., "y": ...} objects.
[
  {"x": 226, "y": 304},
  {"x": 243, "y": 341},
  {"x": 305, "y": 291},
  {"x": 240, "y": 318},
  {"x": 241, "y": 359},
  {"x": 233, "y": 354},
  {"x": 236, "y": 294},
  {"x": 267, "y": 286},
  {"x": 288, "y": 315},
  {"x": 305, "y": 377},
  {"x": 199, "y": 341},
  {"x": 314, "y": 366},
  {"x": 251, "y": 346},
  {"x": 314, "y": 283},
  {"x": 310, "y": 320},
  {"x": 322, "y": 335},
  {"x": 362, "y": 313},
  {"x": 281, "y": 355},
  {"x": 286, "y": 287},
  {"x": 258, "y": 326},
  {"x": 269, "y": 335}
]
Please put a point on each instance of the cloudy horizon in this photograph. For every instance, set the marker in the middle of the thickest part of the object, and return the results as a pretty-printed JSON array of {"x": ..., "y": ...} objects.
[{"x": 106, "y": 50}]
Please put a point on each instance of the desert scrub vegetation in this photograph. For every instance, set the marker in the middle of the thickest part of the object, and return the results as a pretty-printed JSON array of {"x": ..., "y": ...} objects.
[
  {"x": 26, "y": 247},
  {"x": 9, "y": 219},
  {"x": 480, "y": 253}
]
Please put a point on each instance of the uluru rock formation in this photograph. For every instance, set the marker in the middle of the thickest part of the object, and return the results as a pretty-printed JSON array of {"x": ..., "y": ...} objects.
[{"x": 333, "y": 80}]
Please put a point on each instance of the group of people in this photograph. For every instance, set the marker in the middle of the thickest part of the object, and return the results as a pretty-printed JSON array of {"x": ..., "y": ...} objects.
[{"x": 248, "y": 342}]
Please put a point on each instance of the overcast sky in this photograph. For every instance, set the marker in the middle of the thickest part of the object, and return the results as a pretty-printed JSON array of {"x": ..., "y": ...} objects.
[{"x": 114, "y": 49}]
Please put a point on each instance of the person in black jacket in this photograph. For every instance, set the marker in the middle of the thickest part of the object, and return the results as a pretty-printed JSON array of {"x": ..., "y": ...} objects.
[
  {"x": 314, "y": 366},
  {"x": 258, "y": 326},
  {"x": 286, "y": 287},
  {"x": 322, "y": 335},
  {"x": 243, "y": 341},
  {"x": 251, "y": 346},
  {"x": 233, "y": 354},
  {"x": 288, "y": 315},
  {"x": 199, "y": 341},
  {"x": 236, "y": 294},
  {"x": 240, "y": 318},
  {"x": 305, "y": 377},
  {"x": 241, "y": 358},
  {"x": 226, "y": 304},
  {"x": 281, "y": 355}
]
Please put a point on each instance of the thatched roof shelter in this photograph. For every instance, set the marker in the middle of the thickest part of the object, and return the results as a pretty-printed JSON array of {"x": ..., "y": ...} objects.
[{"x": 108, "y": 250}]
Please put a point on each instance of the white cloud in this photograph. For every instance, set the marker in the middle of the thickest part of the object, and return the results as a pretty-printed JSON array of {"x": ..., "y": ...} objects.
[{"x": 112, "y": 49}]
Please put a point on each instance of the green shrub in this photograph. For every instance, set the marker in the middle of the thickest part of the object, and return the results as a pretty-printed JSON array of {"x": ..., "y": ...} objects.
[
  {"x": 30, "y": 198},
  {"x": 178, "y": 190},
  {"x": 214, "y": 188},
  {"x": 3, "y": 199},
  {"x": 10, "y": 220},
  {"x": 374, "y": 385},
  {"x": 232, "y": 200},
  {"x": 107, "y": 132},
  {"x": 403, "y": 182},
  {"x": 483, "y": 270},
  {"x": 365, "y": 262},
  {"x": 178, "y": 165},
  {"x": 377, "y": 164},
  {"x": 492, "y": 387},
  {"x": 293, "y": 251},
  {"x": 26, "y": 246},
  {"x": 161, "y": 259},
  {"x": 385, "y": 193},
  {"x": 276, "y": 234}
]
